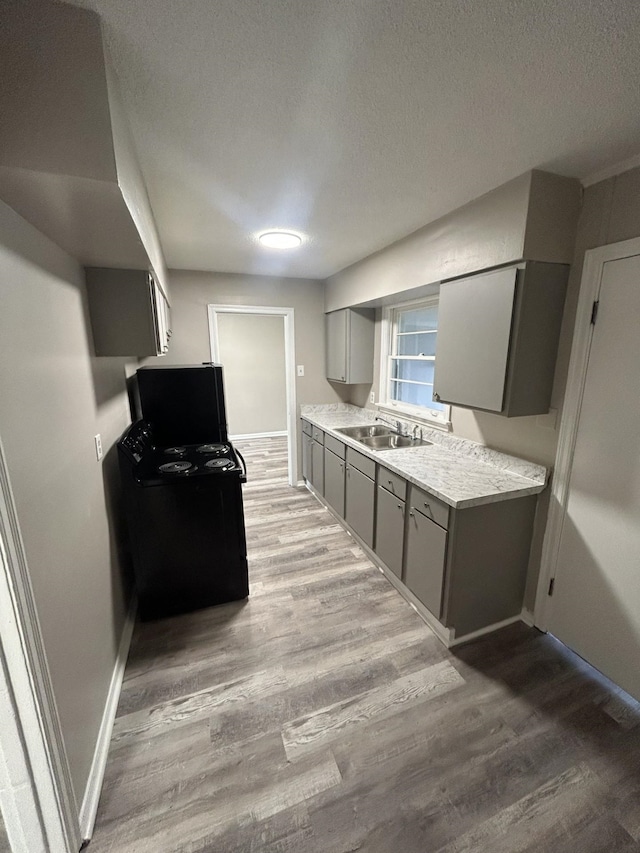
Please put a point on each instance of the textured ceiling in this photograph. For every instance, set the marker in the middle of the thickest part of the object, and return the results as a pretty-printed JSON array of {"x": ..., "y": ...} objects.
[{"x": 358, "y": 121}]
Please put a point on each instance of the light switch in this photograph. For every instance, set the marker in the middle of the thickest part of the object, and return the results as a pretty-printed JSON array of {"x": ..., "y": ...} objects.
[
  {"x": 98, "y": 442},
  {"x": 301, "y": 370}
]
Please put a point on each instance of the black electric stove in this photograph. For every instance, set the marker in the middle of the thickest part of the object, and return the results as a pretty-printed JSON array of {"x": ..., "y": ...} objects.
[
  {"x": 186, "y": 522},
  {"x": 186, "y": 461}
]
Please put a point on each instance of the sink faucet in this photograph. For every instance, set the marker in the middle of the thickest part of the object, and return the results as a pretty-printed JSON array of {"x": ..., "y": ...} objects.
[
  {"x": 395, "y": 425},
  {"x": 414, "y": 432}
]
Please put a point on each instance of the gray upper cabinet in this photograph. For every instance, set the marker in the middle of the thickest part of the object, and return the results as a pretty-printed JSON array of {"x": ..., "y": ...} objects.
[
  {"x": 498, "y": 339},
  {"x": 349, "y": 343},
  {"x": 129, "y": 313}
]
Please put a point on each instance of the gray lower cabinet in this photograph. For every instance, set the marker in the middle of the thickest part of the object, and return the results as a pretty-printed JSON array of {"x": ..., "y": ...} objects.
[
  {"x": 313, "y": 456},
  {"x": 307, "y": 443},
  {"x": 467, "y": 566},
  {"x": 390, "y": 530},
  {"x": 425, "y": 560},
  {"x": 334, "y": 477},
  {"x": 317, "y": 466},
  {"x": 360, "y": 502}
]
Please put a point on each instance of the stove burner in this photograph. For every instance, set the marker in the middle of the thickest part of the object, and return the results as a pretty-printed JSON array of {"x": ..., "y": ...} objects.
[
  {"x": 175, "y": 451},
  {"x": 176, "y": 467},
  {"x": 219, "y": 463},
  {"x": 213, "y": 448}
]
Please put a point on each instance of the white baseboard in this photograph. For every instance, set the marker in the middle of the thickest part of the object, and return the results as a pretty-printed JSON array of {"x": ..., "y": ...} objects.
[
  {"x": 89, "y": 807},
  {"x": 527, "y": 617},
  {"x": 282, "y": 434},
  {"x": 488, "y": 629}
]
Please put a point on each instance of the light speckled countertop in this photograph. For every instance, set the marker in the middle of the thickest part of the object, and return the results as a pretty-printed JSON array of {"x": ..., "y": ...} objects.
[{"x": 458, "y": 471}]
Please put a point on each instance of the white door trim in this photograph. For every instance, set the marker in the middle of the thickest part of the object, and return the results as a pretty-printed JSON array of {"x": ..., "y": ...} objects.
[
  {"x": 592, "y": 272},
  {"x": 35, "y": 778},
  {"x": 290, "y": 365}
]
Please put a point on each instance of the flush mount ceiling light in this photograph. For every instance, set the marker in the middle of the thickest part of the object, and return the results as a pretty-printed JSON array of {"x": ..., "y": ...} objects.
[{"x": 280, "y": 239}]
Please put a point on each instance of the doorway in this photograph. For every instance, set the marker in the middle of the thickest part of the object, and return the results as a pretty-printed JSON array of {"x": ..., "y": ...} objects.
[
  {"x": 589, "y": 594},
  {"x": 255, "y": 344}
]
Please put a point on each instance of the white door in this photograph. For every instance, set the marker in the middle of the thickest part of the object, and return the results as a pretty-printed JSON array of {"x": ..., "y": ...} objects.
[{"x": 595, "y": 607}]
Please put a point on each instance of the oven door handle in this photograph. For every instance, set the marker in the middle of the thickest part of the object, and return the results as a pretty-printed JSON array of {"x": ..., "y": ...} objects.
[{"x": 243, "y": 478}]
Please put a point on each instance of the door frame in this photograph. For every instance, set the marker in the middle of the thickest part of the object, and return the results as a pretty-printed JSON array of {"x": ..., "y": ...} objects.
[
  {"x": 290, "y": 365},
  {"x": 592, "y": 272},
  {"x": 36, "y": 792}
]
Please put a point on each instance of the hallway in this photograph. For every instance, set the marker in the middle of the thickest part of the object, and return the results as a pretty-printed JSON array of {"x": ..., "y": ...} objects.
[{"x": 323, "y": 716}]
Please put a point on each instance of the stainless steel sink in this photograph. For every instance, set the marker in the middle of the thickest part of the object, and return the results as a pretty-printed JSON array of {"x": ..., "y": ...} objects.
[
  {"x": 372, "y": 430},
  {"x": 392, "y": 441}
]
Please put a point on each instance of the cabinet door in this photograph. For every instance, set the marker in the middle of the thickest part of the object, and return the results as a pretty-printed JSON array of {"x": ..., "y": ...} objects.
[
  {"x": 161, "y": 317},
  {"x": 306, "y": 457},
  {"x": 336, "y": 342},
  {"x": 334, "y": 481},
  {"x": 317, "y": 466},
  {"x": 474, "y": 331},
  {"x": 360, "y": 497},
  {"x": 424, "y": 568},
  {"x": 390, "y": 530}
]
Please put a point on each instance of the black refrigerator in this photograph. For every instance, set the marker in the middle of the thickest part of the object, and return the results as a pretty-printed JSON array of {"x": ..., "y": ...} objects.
[{"x": 184, "y": 403}]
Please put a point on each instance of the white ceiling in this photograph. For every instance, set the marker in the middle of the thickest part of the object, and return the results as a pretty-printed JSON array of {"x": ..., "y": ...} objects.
[{"x": 358, "y": 121}]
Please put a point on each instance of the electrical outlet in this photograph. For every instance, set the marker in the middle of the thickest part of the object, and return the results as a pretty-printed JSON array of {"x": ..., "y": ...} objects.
[
  {"x": 301, "y": 370},
  {"x": 372, "y": 397},
  {"x": 98, "y": 442}
]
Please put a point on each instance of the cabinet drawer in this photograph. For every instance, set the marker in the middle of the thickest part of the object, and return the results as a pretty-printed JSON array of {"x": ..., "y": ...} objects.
[
  {"x": 318, "y": 435},
  {"x": 430, "y": 506},
  {"x": 334, "y": 445},
  {"x": 362, "y": 463},
  {"x": 307, "y": 429},
  {"x": 392, "y": 483}
]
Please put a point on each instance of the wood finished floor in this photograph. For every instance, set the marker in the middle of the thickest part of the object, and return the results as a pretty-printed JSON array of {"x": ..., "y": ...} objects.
[{"x": 323, "y": 716}]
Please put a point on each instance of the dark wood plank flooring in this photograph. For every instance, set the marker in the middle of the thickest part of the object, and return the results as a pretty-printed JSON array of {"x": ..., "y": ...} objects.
[{"x": 323, "y": 716}]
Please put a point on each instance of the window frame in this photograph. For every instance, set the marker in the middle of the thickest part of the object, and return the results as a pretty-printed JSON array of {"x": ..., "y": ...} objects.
[{"x": 388, "y": 351}]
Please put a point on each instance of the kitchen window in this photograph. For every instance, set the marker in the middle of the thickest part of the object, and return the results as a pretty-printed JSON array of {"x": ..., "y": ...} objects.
[{"x": 409, "y": 358}]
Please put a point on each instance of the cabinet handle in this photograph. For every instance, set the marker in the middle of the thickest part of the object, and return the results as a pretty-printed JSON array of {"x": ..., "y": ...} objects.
[
  {"x": 389, "y": 481},
  {"x": 411, "y": 513},
  {"x": 427, "y": 506}
]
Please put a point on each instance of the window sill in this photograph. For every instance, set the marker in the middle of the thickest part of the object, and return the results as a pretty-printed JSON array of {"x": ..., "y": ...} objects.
[{"x": 407, "y": 414}]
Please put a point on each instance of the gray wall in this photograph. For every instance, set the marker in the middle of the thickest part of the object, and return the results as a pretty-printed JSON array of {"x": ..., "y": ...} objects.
[
  {"x": 532, "y": 216},
  {"x": 251, "y": 348},
  {"x": 192, "y": 291},
  {"x": 54, "y": 398}
]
